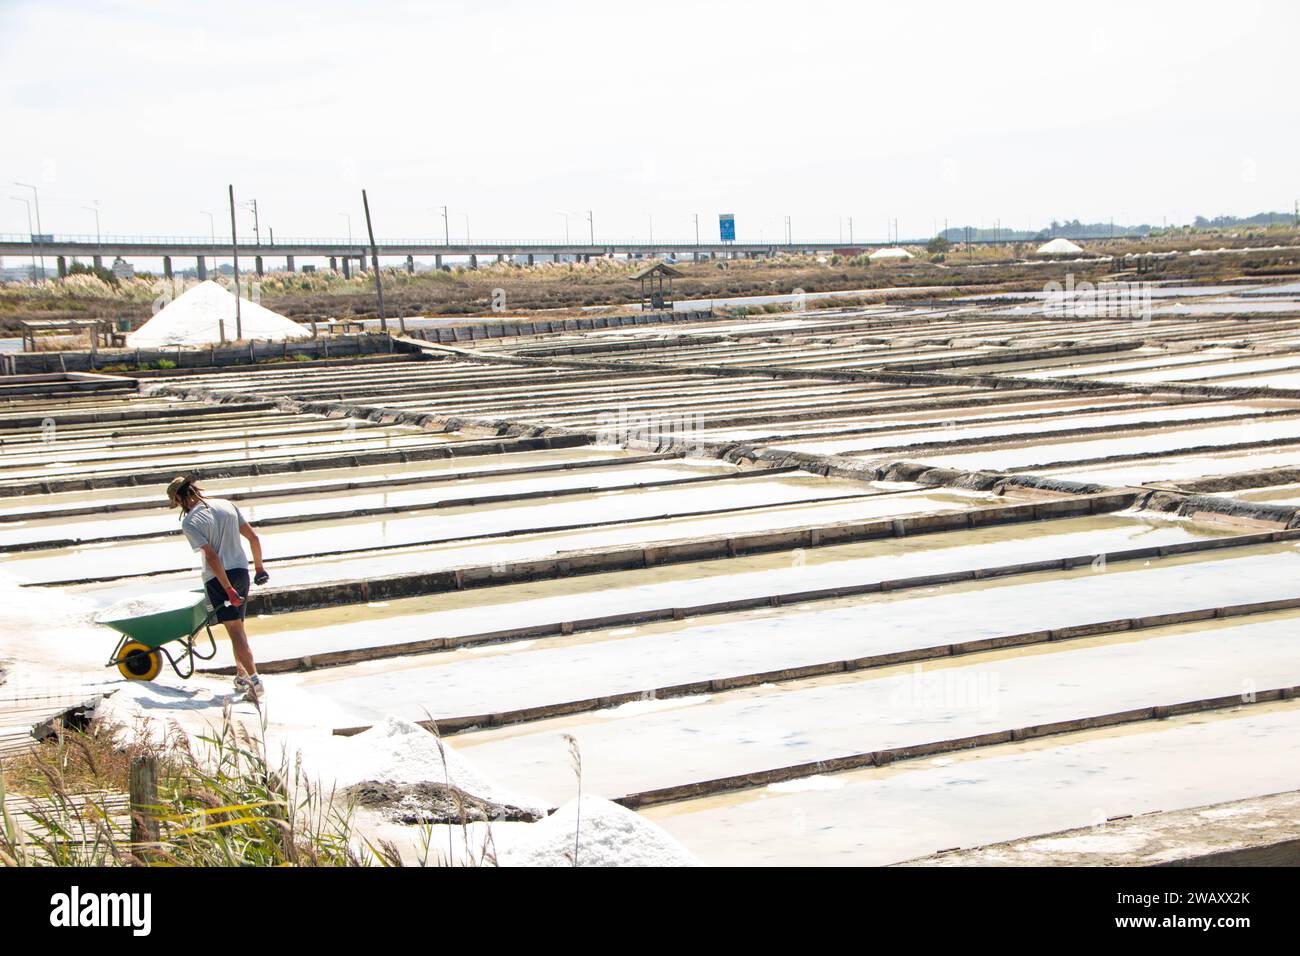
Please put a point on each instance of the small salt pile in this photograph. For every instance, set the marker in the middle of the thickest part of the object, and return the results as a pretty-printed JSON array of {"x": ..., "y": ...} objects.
[
  {"x": 607, "y": 835},
  {"x": 146, "y": 604},
  {"x": 892, "y": 252}
]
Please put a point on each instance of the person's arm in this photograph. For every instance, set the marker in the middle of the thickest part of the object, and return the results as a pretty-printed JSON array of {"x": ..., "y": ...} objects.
[
  {"x": 255, "y": 543},
  {"x": 214, "y": 562}
]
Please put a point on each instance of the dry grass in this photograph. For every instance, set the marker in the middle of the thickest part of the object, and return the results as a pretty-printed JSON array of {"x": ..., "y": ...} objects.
[
  {"x": 602, "y": 282},
  {"x": 221, "y": 802},
  {"x": 70, "y": 760}
]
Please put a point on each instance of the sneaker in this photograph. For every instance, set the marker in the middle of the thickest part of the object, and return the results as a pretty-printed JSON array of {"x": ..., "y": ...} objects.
[{"x": 249, "y": 688}]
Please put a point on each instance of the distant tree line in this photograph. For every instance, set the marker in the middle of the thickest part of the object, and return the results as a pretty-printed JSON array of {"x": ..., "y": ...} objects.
[
  {"x": 1074, "y": 229},
  {"x": 1259, "y": 219}
]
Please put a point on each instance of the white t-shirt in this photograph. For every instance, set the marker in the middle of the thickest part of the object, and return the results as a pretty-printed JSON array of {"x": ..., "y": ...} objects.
[{"x": 216, "y": 522}]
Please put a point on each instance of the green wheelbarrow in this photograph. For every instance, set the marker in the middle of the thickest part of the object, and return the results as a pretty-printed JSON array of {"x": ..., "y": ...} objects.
[{"x": 140, "y": 651}]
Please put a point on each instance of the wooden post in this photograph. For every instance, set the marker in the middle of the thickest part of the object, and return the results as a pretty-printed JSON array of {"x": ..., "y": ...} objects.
[
  {"x": 234, "y": 251},
  {"x": 143, "y": 788},
  {"x": 374, "y": 259}
]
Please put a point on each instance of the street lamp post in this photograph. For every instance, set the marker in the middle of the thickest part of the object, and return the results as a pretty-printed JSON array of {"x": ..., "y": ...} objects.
[
  {"x": 591, "y": 225},
  {"x": 256, "y": 224},
  {"x": 95, "y": 210},
  {"x": 28, "y": 204},
  {"x": 212, "y": 235},
  {"x": 99, "y": 242},
  {"x": 37, "y": 197},
  {"x": 257, "y": 231}
]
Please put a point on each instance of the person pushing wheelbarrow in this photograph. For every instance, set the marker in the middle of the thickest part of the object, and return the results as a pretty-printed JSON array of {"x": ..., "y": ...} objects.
[{"x": 213, "y": 527}]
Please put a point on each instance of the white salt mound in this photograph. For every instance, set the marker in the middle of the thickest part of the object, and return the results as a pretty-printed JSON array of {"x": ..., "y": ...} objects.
[
  {"x": 195, "y": 317},
  {"x": 147, "y": 604},
  {"x": 401, "y": 751},
  {"x": 1059, "y": 247},
  {"x": 893, "y": 252},
  {"x": 609, "y": 835}
]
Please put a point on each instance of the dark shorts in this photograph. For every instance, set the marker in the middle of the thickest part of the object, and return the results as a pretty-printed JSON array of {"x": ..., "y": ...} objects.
[{"x": 217, "y": 595}]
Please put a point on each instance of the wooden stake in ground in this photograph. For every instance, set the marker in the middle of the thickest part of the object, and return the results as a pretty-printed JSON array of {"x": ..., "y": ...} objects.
[
  {"x": 234, "y": 252},
  {"x": 143, "y": 787},
  {"x": 374, "y": 262}
]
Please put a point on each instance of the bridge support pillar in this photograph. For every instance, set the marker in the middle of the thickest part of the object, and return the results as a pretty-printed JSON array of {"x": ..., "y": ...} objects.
[
  {"x": 361, "y": 263},
  {"x": 288, "y": 263},
  {"x": 202, "y": 268},
  {"x": 437, "y": 261},
  {"x": 500, "y": 258},
  {"x": 257, "y": 265},
  {"x": 473, "y": 261},
  {"x": 530, "y": 258},
  {"x": 99, "y": 262},
  {"x": 347, "y": 267},
  {"x": 334, "y": 263},
  {"x": 63, "y": 266},
  {"x": 410, "y": 264},
  {"x": 167, "y": 266}
]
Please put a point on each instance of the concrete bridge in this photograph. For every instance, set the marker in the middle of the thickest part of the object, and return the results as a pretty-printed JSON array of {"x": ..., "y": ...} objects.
[{"x": 345, "y": 253}]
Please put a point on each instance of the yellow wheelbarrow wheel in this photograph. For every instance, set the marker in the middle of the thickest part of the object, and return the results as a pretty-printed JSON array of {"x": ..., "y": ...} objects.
[{"x": 139, "y": 661}]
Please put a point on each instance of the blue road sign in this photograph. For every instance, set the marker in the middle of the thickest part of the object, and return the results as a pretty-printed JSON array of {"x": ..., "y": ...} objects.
[{"x": 727, "y": 226}]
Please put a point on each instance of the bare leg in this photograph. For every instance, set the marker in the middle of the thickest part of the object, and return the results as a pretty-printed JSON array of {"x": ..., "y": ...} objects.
[{"x": 239, "y": 644}]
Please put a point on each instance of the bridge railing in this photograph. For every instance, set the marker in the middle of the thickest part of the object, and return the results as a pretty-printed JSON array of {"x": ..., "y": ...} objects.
[
  {"x": 221, "y": 245},
  {"x": 250, "y": 242}
]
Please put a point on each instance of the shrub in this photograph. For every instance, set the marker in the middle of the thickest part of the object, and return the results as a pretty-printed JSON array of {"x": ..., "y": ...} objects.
[{"x": 99, "y": 272}]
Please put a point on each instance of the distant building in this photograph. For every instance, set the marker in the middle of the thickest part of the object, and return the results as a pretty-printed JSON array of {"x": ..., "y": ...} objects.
[
  {"x": 123, "y": 269},
  {"x": 653, "y": 293}
]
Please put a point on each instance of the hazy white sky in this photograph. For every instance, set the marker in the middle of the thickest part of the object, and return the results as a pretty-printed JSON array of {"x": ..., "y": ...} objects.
[{"x": 516, "y": 113}]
